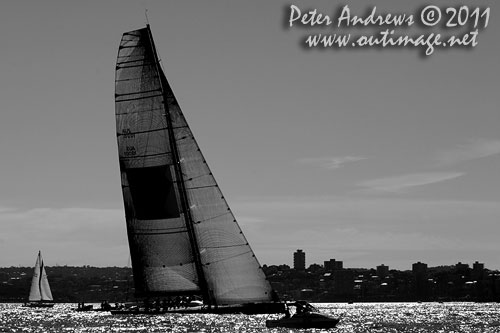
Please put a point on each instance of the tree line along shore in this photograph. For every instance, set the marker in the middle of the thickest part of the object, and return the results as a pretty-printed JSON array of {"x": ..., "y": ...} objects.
[{"x": 459, "y": 282}]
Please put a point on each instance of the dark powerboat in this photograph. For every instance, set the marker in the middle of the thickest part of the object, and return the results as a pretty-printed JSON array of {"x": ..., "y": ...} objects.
[{"x": 305, "y": 316}]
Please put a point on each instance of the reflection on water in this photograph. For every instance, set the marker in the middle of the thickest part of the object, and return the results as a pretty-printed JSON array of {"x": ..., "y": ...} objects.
[
  {"x": 357, "y": 317},
  {"x": 420, "y": 317}
]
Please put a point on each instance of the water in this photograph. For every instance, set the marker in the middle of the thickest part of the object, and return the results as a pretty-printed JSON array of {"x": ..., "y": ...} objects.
[{"x": 357, "y": 317}]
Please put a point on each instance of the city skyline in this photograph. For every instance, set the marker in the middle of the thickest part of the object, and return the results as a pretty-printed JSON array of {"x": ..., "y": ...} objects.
[
  {"x": 340, "y": 264},
  {"x": 300, "y": 260},
  {"x": 370, "y": 155}
]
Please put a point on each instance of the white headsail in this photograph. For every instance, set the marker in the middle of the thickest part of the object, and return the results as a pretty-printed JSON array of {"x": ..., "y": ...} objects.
[{"x": 40, "y": 288}]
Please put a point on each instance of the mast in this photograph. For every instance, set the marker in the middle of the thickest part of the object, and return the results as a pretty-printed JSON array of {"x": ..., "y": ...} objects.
[
  {"x": 41, "y": 273},
  {"x": 181, "y": 185}
]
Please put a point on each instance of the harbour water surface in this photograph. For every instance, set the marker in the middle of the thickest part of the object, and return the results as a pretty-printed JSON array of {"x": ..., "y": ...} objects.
[{"x": 356, "y": 317}]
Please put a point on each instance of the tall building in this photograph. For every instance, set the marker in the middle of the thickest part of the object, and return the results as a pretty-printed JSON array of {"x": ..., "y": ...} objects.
[
  {"x": 461, "y": 267},
  {"x": 478, "y": 266},
  {"x": 382, "y": 271},
  {"x": 299, "y": 260},
  {"x": 419, "y": 270},
  {"x": 478, "y": 271},
  {"x": 333, "y": 265}
]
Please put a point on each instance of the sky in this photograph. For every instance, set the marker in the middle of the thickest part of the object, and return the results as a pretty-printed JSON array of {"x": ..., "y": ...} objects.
[{"x": 366, "y": 155}]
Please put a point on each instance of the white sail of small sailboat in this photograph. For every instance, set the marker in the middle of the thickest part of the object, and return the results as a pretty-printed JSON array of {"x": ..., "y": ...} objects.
[
  {"x": 40, "y": 294},
  {"x": 183, "y": 238}
]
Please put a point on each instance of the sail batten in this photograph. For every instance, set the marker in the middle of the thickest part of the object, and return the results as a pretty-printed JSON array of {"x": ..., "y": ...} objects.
[{"x": 174, "y": 209}]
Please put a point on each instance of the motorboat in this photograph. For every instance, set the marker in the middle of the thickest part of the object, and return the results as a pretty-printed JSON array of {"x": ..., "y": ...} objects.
[{"x": 305, "y": 316}]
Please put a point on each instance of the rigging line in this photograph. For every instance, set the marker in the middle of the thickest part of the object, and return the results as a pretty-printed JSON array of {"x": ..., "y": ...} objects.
[
  {"x": 126, "y": 80},
  {"x": 141, "y": 156},
  {"x": 225, "y": 246},
  {"x": 137, "y": 92},
  {"x": 184, "y": 138},
  {"x": 139, "y": 111},
  {"x": 200, "y": 176},
  {"x": 213, "y": 218},
  {"x": 201, "y": 187},
  {"x": 135, "y": 99},
  {"x": 224, "y": 259},
  {"x": 126, "y": 34},
  {"x": 126, "y": 56},
  {"x": 179, "y": 127},
  {"x": 162, "y": 229},
  {"x": 131, "y": 33},
  {"x": 129, "y": 40},
  {"x": 127, "y": 46},
  {"x": 142, "y": 132},
  {"x": 133, "y": 66},
  {"x": 131, "y": 61},
  {"x": 144, "y": 233}
]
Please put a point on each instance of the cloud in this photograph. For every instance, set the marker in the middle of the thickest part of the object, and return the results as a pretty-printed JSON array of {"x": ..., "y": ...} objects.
[
  {"x": 478, "y": 148},
  {"x": 6, "y": 209},
  {"x": 72, "y": 236},
  {"x": 367, "y": 231},
  {"x": 331, "y": 162},
  {"x": 400, "y": 184},
  {"x": 362, "y": 231}
]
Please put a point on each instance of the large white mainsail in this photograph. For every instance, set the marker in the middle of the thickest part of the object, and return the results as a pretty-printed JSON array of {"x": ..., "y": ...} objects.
[
  {"x": 40, "y": 288},
  {"x": 182, "y": 235}
]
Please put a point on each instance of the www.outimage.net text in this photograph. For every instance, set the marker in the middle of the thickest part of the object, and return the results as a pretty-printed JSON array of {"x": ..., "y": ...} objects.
[{"x": 457, "y": 26}]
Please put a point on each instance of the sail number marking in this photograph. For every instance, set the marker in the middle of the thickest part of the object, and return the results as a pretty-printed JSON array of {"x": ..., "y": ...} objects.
[
  {"x": 127, "y": 134},
  {"x": 130, "y": 151}
]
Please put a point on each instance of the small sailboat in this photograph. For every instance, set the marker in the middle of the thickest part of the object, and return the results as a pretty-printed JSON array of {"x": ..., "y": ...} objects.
[
  {"x": 184, "y": 240},
  {"x": 40, "y": 295}
]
